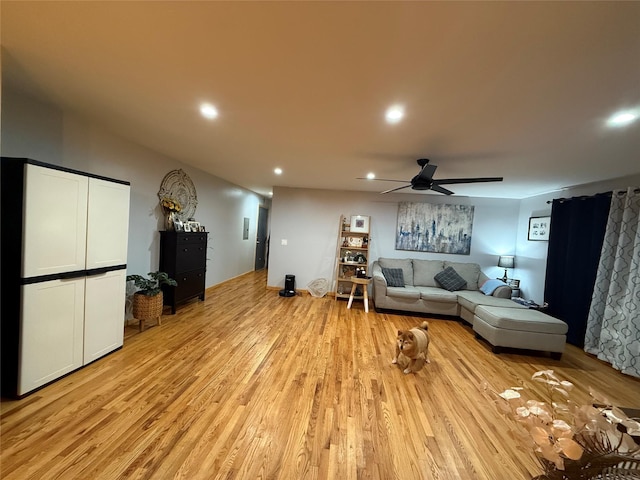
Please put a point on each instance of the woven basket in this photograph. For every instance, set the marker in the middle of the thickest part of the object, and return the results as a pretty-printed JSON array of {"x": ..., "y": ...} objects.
[{"x": 147, "y": 308}]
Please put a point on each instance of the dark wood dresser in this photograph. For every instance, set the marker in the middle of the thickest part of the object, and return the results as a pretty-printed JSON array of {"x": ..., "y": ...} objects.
[{"x": 184, "y": 257}]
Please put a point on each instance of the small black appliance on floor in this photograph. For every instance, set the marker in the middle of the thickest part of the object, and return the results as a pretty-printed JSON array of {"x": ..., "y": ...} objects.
[{"x": 289, "y": 289}]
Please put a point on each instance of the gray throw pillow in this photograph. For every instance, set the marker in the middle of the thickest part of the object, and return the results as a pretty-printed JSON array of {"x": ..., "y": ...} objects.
[
  {"x": 450, "y": 280},
  {"x": 393, "y": 276}
]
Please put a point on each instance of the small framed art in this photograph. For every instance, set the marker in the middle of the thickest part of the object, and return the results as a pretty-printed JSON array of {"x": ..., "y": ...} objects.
[
  {"x": 539, "y": 228},
  {"x": 359, "y": 224},
  {"x": 354, "y": 242}
]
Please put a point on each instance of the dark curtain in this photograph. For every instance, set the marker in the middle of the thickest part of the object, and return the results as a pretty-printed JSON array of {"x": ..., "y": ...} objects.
[{"x": 575, "y": 241}]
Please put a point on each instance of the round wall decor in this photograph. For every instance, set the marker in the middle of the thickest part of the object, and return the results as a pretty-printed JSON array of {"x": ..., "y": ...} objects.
[{"x": 177, "y": 186}]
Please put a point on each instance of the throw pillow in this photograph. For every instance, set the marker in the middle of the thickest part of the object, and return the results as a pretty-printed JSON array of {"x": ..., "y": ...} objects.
[
  {"x": 469, "y": 271},
  {"x": 393, "y": 276},
  {"x": 450, "y": 280},
  {"x": 490, "y": 286}
]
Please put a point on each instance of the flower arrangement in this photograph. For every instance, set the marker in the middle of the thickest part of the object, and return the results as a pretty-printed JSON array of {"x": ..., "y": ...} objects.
[
  {"x": 170, "y": 204},
  {"x": 574, "y": 441}
]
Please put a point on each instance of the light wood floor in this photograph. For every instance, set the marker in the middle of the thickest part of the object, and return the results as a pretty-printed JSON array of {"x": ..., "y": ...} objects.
[{"x": 251, "y": 385}]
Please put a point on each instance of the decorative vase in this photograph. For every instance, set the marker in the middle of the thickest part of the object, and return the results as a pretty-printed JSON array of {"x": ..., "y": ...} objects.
[
  {"x": 147, "y": 308},
  {"x": 169, "y": 221}
]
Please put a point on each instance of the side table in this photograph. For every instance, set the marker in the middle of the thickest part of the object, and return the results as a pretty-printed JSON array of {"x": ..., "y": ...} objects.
[{"x": 360, "y": 281}]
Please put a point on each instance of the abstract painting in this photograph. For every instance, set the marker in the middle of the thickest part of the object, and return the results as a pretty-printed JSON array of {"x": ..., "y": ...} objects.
[{"x": 426, "y": 227}]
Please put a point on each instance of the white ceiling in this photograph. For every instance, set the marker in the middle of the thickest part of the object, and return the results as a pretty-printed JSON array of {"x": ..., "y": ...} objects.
[{"x": 514, "y": 89}]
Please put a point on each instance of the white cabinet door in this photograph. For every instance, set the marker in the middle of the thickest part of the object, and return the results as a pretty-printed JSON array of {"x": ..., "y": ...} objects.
[
  {"x": 55, "y": 222},
  {"x": 104, "y": 314},
  {"x": 107, "y": 223},
  {"x": 51, "y": 332}
]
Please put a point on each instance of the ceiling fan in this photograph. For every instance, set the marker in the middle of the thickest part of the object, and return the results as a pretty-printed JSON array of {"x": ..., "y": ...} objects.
[{"x": 425, "y": 181}]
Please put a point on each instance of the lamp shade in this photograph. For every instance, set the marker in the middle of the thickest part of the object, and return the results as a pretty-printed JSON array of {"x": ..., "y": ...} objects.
[{"x": 506, "y": 261}]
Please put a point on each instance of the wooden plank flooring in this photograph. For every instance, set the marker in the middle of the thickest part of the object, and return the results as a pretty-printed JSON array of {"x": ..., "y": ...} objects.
[{"x": 251, "y": 385}]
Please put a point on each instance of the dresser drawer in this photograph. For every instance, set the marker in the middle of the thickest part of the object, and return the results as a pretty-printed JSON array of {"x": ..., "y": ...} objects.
[
  {"x": 190, "y": 284},
  {"x": 190, "y": 257},
  {"x": 191, "y": 238}
]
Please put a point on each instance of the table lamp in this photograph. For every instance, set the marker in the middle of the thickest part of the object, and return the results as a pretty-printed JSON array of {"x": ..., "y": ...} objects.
[{"x": 506, "y": 261}]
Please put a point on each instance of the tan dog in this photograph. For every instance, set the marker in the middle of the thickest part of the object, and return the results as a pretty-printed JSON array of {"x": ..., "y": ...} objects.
[{"x": 411, "y": 348}]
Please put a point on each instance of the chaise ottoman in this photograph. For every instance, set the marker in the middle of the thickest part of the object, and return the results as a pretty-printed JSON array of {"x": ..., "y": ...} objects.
[{"x": 520, "y": 328}]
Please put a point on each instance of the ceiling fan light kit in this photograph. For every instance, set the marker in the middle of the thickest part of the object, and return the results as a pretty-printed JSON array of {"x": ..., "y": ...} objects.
[{"x": 424, "y": 180}]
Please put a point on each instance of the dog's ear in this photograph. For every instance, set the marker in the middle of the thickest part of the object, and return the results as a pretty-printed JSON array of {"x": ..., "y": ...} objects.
[
  {"x": 400, "y": 332},
  {"x": 410, "y": 336}
]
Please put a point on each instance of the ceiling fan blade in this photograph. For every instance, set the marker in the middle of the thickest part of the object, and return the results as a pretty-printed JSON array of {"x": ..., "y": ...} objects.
[
  {"x": 381, "y": 179},
  {"x": 426, "y": 174},
  {"x": 450, "y": 181},
  {"x": 394, "y": 189},
  {"x": 439, "y": 189}
]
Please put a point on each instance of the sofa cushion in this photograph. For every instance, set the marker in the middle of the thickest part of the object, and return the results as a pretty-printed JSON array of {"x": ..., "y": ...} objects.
[
  {"x": 450, "y": 280},
  {"x": 469, "y": 300},
  {"x": 409, "y": 293},
  {"x": 404, "y": 263},
  {"x": 469, "y": 271},
  {"x": 425, "y": 270},
  {"x": 437, "y": 294},
  {"x": 393, "y": 276},
  {"x": 521, "y": 319}
]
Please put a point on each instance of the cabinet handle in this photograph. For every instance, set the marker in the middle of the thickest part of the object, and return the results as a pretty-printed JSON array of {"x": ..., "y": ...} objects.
[
  {"x": 184, "y": 279},
  {"x": 185, "y": 249}
]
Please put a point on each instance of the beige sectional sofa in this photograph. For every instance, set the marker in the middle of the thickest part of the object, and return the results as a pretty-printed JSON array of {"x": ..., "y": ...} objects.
[
  {"x": 422, "y": 293},
  {"x": 496, "y": 318}
]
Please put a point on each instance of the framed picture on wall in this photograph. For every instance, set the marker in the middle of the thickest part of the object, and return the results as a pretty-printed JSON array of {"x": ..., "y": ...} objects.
[
  {"x": 359, "y": 224},
  {"x": 539, "y": 228}
]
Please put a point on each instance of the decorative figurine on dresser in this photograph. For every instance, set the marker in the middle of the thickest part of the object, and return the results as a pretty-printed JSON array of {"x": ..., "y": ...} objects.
[{"x": 183, "y": 245}]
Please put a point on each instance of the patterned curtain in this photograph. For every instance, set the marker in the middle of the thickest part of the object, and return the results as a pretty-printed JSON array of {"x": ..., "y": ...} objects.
[{"x": 613, "y": 326}]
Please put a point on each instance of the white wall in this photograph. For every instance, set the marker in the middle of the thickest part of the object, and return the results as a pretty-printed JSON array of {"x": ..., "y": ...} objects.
[
  {"x": 308, "y": 220},
  {"x": 41, "y": 131}
]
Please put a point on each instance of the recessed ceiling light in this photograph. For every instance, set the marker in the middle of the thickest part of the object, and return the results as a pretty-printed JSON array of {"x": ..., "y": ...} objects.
[
  {"x": 394, "y": 114},
  {"x": 277, "y": 171},
  {"x": 371, "y": 175},
  {"x": 208, "y": 111},
  {"x": 620, "y": 119}
]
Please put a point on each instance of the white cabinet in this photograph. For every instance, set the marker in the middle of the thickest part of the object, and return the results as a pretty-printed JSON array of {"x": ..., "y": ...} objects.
[
  {"x": 105, "y": 298},
  {"x": 108, "y": 223},
  {"x": 51, "y": 332},
  {"x": 64, "y": 262},
  {"x": 55, "y": 221}
]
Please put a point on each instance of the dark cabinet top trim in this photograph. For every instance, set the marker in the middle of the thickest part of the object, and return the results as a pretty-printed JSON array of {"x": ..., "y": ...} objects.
[{"x": 64, "y": 169}]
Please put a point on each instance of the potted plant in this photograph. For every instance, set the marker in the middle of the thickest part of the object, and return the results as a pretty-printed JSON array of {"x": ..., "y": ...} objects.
[{"x": 148, "y": 300}]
